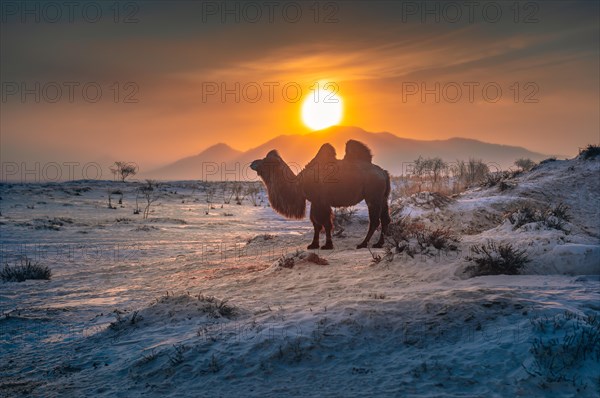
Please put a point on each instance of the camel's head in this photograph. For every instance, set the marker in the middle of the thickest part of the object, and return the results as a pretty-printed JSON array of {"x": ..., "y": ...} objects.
[
  {"x": 285, "y": 193},
  {"x": 266, "y": 167}
]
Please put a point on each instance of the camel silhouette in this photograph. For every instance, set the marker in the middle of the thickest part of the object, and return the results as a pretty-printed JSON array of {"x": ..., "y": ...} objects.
[{"x": 328, "y": 182}]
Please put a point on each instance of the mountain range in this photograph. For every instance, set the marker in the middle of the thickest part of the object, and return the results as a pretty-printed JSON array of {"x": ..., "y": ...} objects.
[{"x": 222, "y": 162}]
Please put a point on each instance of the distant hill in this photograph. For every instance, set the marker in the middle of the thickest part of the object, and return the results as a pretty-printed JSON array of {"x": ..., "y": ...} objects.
[
  {"x": 390, "y": 151},
  {"x": 190, "y": 168}
]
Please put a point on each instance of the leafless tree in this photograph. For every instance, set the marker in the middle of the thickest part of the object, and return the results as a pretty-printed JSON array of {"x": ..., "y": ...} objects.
[
  {"x": 122, "y": 170},
  {"x": 253, "y": 192},
  {"x": 429, "y": 168},
  {"x": 438, "y": 166},
  {"x": 477, "y": 170},
  {"x": 210, "y": 191},
  {"x": 227, "y": 193},
  {"x": 151, "y": 193},
  {"x": 238, "y": 192}
]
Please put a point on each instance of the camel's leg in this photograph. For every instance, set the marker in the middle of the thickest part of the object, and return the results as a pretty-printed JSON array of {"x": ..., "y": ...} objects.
[
  {"x": 315, "y": 242},
  {"x": 326, "y": 220},
  {"x": 374, "y": 215},
  {"x": 318, "y": 226},
  {"x": 385, "y": 222}
]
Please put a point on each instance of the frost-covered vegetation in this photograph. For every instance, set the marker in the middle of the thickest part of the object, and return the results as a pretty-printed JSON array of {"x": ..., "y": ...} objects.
[{"x": 24, "y": 270}]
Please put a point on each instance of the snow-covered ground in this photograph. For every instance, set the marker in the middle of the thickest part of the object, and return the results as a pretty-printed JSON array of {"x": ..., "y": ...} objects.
[{"x": 194, "y": 304}]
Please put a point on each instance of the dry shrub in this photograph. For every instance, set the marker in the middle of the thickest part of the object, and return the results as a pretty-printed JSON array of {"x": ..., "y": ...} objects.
[
  {"x": 589, "y": 152},
  {"x": 555, "y": 217},
  {"x": 343, "y": 216},
  {"x": 492, "y": 258},
  {"x": 439, "y": 238},
  {"x": 407, "y": 235},
  {"x": 24, "y": 270}
]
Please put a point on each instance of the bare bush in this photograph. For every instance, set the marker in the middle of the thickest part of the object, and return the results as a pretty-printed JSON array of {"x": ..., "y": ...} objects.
[
  {"x": 343, "y": 216},
  {"x": 217, "y": 308},
  {"x": 238, "y": 193},
  {"x": 396, "y": 210},
  {"x": 214, "y": 366},
  {"x": 496, "y": 259},
  {"x": 122, "y": 323},
  {"x": 492, "y": 179},
  {"x": 430, "y": 169},
  {"x": 401, "y": 230},
  {"x": 210, "y": 191},
  {"x": 560, "y": 359},
  {"x": 436, "y": 175},
  {"x": 253, "y": 194},
  {"x": 589, "y": 152},
  {"x": 561, "y": 211},
  {"x": 471, "y": 172},
  {"x": 500, "y": 179},
  {"x": 429, "y": 200},
  {"x": 410, "y": 236},
  {"x": 555, "y": 217},
  {"x": 439, "y": 238},
  {"x": 524, "y": 214},
  {"x": 177, "y": 357},
  {"x": 24, "y": 270},
  {"x": 525, "y": 164},
  {"x": 233, "y": 191}
]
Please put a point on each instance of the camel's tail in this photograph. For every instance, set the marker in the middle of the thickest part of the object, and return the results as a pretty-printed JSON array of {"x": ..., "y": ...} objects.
[
  {"x": 357, "y": 151},
  {"x": 388, "y": 186}
]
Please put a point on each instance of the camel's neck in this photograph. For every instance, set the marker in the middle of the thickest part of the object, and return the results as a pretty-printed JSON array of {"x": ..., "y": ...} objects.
[{"x": 285, "y": 193}]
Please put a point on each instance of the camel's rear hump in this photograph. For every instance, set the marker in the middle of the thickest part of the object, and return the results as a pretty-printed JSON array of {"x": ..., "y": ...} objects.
[{"x": 357, "y": 151}]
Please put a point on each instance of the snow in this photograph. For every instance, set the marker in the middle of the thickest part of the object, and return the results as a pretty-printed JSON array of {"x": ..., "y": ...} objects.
[{"x": 410, "y": 327}]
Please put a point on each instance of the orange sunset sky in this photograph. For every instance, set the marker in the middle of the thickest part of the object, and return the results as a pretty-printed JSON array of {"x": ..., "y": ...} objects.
[{"x": 169, "y": 53}]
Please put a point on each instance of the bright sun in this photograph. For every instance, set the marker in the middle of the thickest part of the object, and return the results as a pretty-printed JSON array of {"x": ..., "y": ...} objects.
[{"x": 322, "y": 109}]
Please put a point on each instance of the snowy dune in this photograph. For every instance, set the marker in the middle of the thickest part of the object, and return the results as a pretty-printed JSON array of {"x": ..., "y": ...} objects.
[{"x": 194, "y": 304}]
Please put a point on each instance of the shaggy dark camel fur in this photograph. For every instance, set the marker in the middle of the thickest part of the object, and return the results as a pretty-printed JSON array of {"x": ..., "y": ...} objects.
[{"x": 328, "y": 182}]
